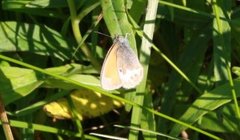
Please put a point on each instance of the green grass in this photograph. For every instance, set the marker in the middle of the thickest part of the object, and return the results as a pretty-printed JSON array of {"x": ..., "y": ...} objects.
[{"x": 189, "y": 51}]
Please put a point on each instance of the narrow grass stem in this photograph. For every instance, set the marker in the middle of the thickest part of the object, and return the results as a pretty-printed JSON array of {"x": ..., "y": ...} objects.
[{"x": 77, "y": 34}]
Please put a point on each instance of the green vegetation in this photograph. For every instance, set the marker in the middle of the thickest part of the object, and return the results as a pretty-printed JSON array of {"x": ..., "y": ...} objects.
[{"x": 49, "y": 49}]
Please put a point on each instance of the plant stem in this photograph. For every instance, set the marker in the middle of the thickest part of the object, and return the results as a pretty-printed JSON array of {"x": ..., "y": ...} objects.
[
  {"x": 5, "y": 122},
  {"x": 77, "y": 34}
]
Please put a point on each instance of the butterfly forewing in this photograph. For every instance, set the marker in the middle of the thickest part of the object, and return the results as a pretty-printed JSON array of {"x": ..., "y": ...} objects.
[{"x": 109, "y": 75}]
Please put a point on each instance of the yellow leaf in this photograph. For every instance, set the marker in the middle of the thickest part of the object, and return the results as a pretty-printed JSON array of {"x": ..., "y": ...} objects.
[{"x": 89, "y": 104}]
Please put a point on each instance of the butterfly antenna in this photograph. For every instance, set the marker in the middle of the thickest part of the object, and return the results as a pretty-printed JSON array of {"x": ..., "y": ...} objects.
[{"x": 102, "y": 34}]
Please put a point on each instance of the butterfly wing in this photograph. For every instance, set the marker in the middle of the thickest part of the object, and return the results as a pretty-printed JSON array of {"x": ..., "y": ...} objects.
[
  {"x": 129, "y": 68},
  {"x": 109, "y": 74}
]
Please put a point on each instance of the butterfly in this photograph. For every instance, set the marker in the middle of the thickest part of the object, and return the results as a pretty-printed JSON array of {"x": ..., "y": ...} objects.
[{"x": 121, "y": 67}]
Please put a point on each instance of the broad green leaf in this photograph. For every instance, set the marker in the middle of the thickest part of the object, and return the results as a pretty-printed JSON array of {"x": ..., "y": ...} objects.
[
  {"x": 83, "y": 79},
  {"x": 207, "y": 102},
  {"x": 76, "y": 72},
  {"x": 221, "y": 121},
  {"x": 17, "y": 82},
  {"x": 38, "y": 39}
]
